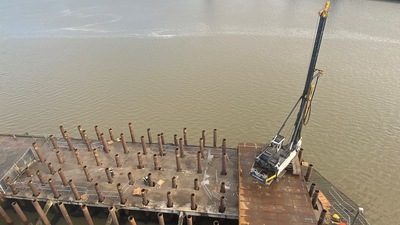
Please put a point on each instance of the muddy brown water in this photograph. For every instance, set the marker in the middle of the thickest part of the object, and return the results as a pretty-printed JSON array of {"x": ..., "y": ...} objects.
[{"x": 237, "y": 66}]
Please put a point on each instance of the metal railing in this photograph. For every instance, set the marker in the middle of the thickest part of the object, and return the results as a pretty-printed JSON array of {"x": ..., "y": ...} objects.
[{"x": 17, "y": 169}]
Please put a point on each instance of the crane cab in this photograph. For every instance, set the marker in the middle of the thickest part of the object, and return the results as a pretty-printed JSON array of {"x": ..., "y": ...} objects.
[{"x": 277, "y": 141}]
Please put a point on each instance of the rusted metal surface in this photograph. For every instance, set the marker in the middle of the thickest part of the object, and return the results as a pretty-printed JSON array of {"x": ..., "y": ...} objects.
[
  {"x": 284, "y": 202},
  {"x": 85, "y": 176},
  {"x": 86, "y": 213},
  {"x": 131, "y": 220},
  {"x": 65, "y": 214},
  {"x": 20, "y": 213},
  {"x": 41, "y": 213},
  {"x": 5, "y": 216}
]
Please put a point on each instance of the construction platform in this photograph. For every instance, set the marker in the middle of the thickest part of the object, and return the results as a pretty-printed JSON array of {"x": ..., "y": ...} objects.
[
  {"x": 284, "y": 202},
  {"x": 156, "y": 177},
  {"x": 159, "y": 184}
]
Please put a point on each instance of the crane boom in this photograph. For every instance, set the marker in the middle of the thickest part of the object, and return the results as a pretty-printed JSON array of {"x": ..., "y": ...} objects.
[
  {"x": 274, "y": 158},
  {"x": 311, "y": 70}
]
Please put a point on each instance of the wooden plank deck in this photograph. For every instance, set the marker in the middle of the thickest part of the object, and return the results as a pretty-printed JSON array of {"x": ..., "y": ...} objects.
[{"x": 285, "y": 202}]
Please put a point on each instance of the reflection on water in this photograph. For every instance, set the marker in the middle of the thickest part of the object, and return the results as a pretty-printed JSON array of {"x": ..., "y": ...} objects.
[{"x": 233, "y": 65}]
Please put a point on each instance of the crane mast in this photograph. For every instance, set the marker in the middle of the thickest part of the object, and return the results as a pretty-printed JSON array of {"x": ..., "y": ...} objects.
[
  {"x": 274, "y": 159},
  {"x": 311, "y": 70}
]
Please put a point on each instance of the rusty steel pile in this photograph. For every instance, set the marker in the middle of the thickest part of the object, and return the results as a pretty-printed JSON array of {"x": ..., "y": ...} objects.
[{"x": 151, "y": 176}]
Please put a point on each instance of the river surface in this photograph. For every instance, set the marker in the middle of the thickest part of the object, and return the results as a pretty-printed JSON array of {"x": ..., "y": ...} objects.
[{"x": 235, "y": 65}]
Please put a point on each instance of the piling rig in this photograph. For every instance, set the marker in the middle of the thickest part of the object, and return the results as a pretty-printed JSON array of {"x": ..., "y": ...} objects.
[{"x": 279, "y": 156}]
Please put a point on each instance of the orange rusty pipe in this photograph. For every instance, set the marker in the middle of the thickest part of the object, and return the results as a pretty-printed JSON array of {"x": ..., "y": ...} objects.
[
  {"x": 87, "y": 174},
  {"x": 28, "y": 172},
  {"x": 86, "y": 213},
  {"x": 74, "y": 190},
  {"x": 99, "y": 193},
  {"x": 130, "y": 178},
  {"x": 160, "y": 218},
  {"x": 54, "y": 142},
  {"x": 59, "y": 157},
  {"x": 193, "y": 205},
  {"x": 140, "y": 161},
  {"x": 105, "y": 145},
  {"x": 118, "y": 160},
  {"x": 149, "y": 136},
  {"x": 111, "y": 134},
  {"x": 162, "y": 138},
  {"x": 5, "y": 216},
  {"x": 69, "y": 141},
  {"x": 223, "y": 170},
  {"x": 109, "y": 176},
  {"x": 132, "y": 132},
  {"x": 160, "y": 145},
  {"x": 64, "y": 212},
  {"x": 87, "y": 141},
  {"x": 196, "y": 184},
  {"x": 97, "y": 157},
  {"x": 144, "y": 148},
  {"x": 170, "y": 202},
  {"x": 178, "y": 160},
  {"x": 62, "y": 131},
  {"x": 145, "y": 200},
  {"x": 62, "y": 176},
  {"x": 156, "y": 163},
  {"x": 80, "y": 131},
  {"x": 174, "y": 185},
  {"x": 189, "y": 220},
  {"x": 122, "y": 199},
  {"x": 53, "y": 188},
  {"x": 40, "y": 176},
  {"x": 150, "y": 182},
  {"x": 131, "y": 220},
  {"x": 97, "y": 130},
  {"x": 124, "y": 146},
  {"x": 201, "y": 147},
  {"x": 20, "y": 213},
  {"x": 35, "y": 190},
  {"x": 181, "y": 148},
  {"x": 38, "y": 152},
  {"x": 51, "y": 168},
  {"x": 39, "y": 210},
  {"x": 10, "y": 183},
  {"x": 113, "y": 215},
  {"x": 78, "y": 157}
]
